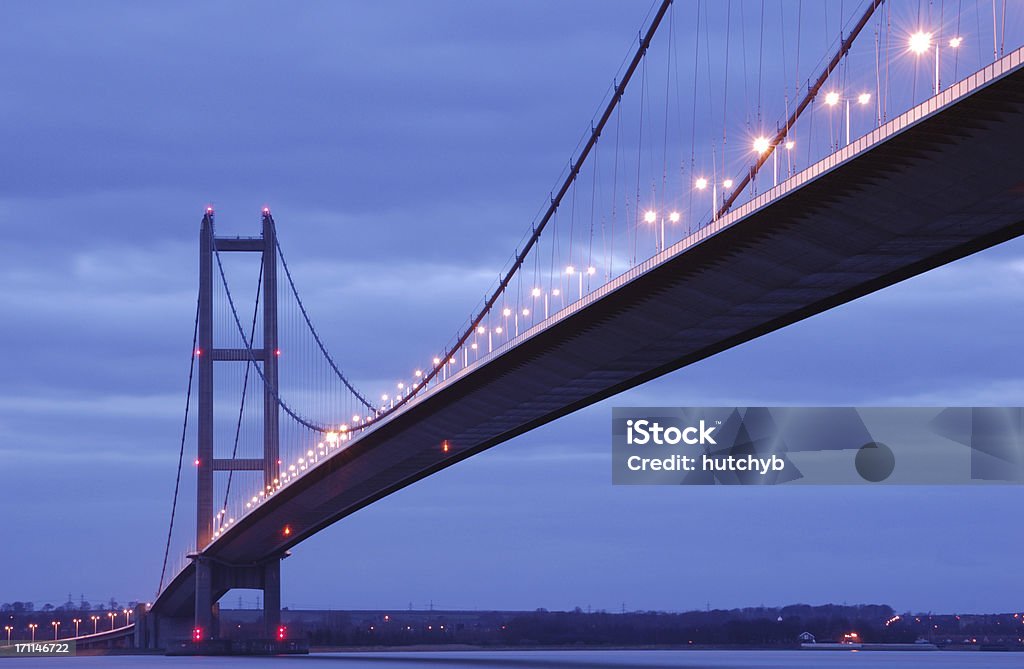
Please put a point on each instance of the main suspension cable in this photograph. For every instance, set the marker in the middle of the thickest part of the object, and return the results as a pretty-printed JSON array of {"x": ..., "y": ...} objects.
[
  {"x": 309, "y": 323},
  {"x": 181, "y": 451}
]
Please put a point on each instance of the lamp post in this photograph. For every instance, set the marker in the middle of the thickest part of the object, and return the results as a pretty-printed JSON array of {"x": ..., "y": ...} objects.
[
  {"x": 570, "y": 270},
  {"x": 32, "y": 627},
  {"x": 111, "y": 614},
  {"x": 833, "y": 98},
  {"x": 702, "y": 184},
  {"x": 651, "y": 216},
  {"x": 95, "y": 623},
  {"x": 56, "y": 626},
  {"x": 8, "y": 628},
  {"x": 673, "y": 218},
  {"x": 127, "y": 612},
  {"x": 77, "y": 622},
  {"x": 921, "y": 42},
  {"x": 762, "y": 144}
]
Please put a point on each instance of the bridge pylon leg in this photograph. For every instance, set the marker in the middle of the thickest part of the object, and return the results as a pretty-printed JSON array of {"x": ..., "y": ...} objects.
[
  {"x": 204, "y": 598},
  {"x": 271, "y": 598}
]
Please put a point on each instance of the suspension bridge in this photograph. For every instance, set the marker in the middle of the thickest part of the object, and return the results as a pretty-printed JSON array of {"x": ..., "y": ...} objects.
[{"x": 655, "y": 250}]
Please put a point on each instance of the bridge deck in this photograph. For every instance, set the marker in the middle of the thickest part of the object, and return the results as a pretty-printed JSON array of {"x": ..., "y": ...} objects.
[{"x": 938, "y": 183}]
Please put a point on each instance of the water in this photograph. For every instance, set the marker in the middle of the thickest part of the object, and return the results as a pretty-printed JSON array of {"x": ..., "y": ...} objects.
[{"x": 627, "y": 659}]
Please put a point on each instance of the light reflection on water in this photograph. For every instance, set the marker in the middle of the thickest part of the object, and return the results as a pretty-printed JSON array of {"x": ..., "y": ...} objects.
[{"x": 628, "y": 659}]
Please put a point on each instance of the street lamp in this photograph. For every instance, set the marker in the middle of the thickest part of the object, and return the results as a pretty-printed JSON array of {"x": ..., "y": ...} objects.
[
  {"x": 111, "y": 614},
  {"x": 762, "y": 144},
  {"x": 76, "y": 621},
  {"x": 651, "y": 216},
  {"x": 127, "y": 612},
  {"x": 56, "y": 626},
  {"x": 570, "y": 270},
  {"x": 832, "y": 99},
  {"x": 702, "y": 184},
  {"x": 673, "y": 218},
  {"x": 8, "y": 628},
  {"x": 920, "y": 42},
  {"x": 790, "y": 145},
  {"x": 95, "y": 623},
  {"x": 33, "y": 626}
]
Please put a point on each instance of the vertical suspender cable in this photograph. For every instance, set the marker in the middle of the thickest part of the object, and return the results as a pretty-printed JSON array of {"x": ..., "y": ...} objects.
[{"x": 844, "y": 48}]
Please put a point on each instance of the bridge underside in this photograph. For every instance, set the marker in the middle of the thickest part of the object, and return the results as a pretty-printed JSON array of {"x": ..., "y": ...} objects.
[{"x": 947, "y": 187}]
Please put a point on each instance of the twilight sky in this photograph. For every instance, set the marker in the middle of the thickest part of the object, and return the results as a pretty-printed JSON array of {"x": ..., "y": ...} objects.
[{"x": 376, "y": 132}]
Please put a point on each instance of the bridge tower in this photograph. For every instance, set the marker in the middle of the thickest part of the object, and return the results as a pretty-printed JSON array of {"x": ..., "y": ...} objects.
[{"x": 213, "y": 578}]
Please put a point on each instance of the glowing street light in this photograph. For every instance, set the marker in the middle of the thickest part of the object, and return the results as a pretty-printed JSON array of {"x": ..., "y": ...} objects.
[
  {"x": 570, "y": 270},
  {"x": 56, "y": 626},
  {"x": 701, "y": 184},
  {"x": 763, "y": 144},
  {"x": 8, "y": 628},
  {"x": 126, "y": 612},
  {"x": 790, "y": 145},
  {"x": 652, "y": 216},
  {"x": 833, "y": 98},
  {"x": 76, "y": 621},
  {"x": 95, "y": 623},
  {"x": 111, "y": 615},
  {"x": 920, "y": 42},
  {"x": 32, "y": 627}
]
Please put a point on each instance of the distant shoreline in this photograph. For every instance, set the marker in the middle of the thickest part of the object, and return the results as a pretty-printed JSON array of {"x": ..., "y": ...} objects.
[{"x": 443, "y": 648}]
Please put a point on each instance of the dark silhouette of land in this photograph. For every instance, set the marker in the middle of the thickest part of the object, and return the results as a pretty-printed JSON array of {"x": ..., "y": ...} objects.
[
  {"x": 749, "y": 627},
  {"x": 758, "y": 627}
]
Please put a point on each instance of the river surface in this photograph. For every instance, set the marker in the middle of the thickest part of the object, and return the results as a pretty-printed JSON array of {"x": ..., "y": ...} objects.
[{"x": 628, "y": 659}]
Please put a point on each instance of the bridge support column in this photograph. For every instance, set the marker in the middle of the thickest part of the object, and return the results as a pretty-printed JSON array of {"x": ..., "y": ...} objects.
[
  {"x": 204, "y": 598},
  {"x": 271, "y": 598}
]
